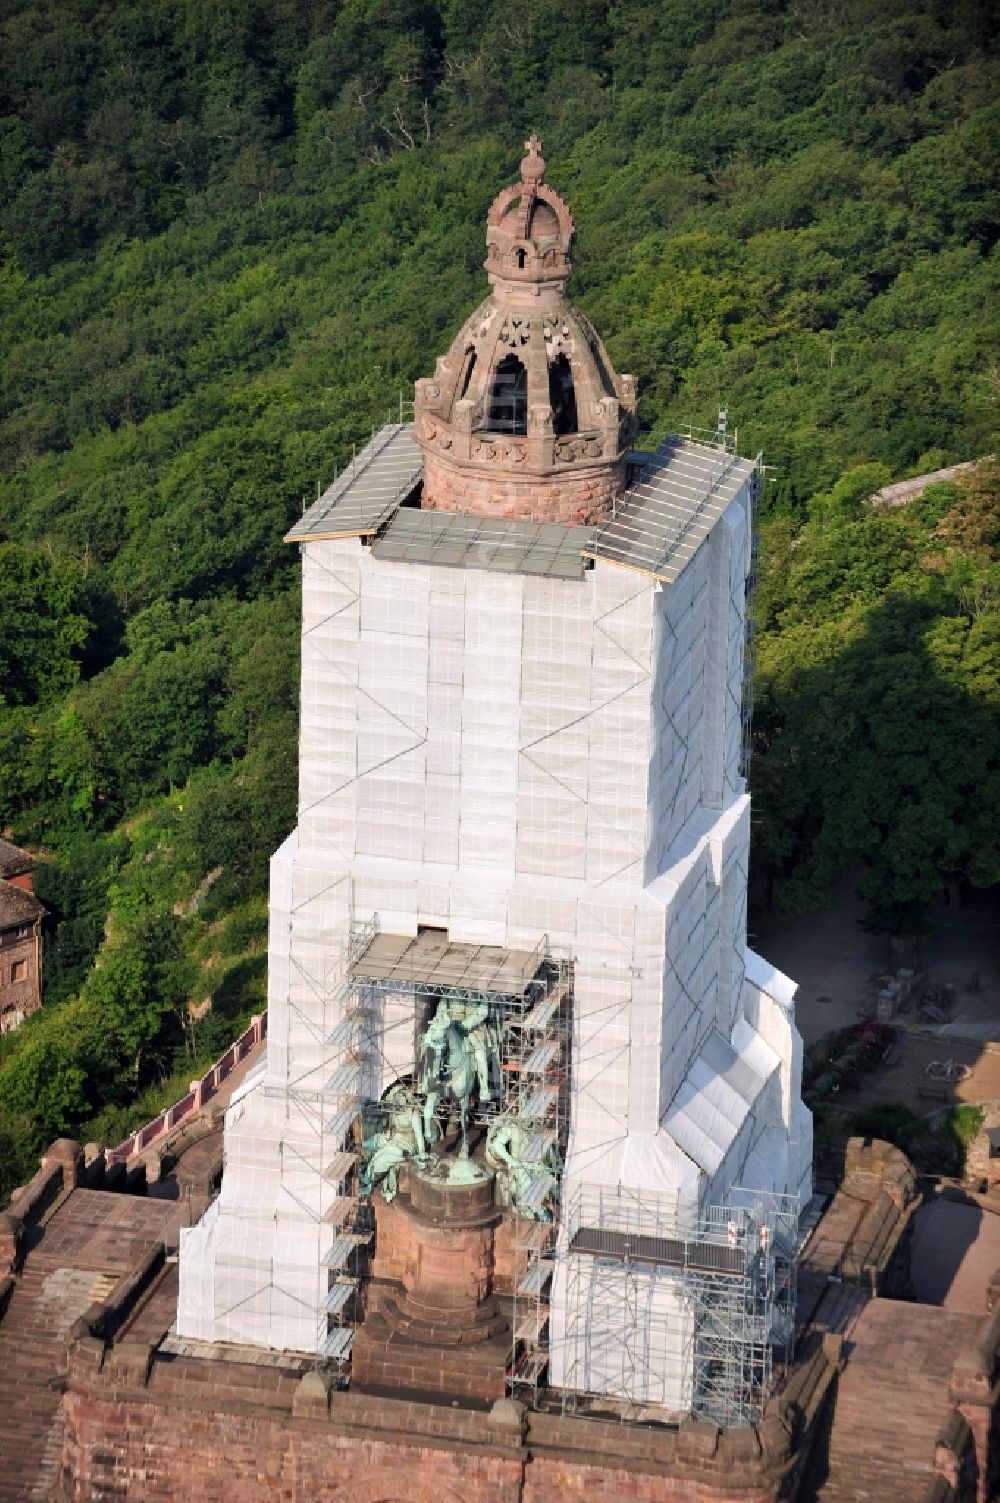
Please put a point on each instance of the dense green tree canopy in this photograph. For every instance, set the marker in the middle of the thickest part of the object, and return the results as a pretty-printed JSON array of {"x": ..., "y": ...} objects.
[
  {"x": 233, "y": 233},
  {"x": 878, "y": 701},
  {"x": 43, "y": 627}
]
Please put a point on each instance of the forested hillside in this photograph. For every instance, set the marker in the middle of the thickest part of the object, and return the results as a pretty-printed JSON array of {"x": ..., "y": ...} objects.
[{"x": 232, "y": 233}]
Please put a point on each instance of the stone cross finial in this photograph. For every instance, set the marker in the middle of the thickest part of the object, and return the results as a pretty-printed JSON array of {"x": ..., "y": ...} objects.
[{"x": 533, "y": 165}]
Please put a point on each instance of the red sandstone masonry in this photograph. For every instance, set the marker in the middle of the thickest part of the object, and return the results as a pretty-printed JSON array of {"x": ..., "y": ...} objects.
[
  {"x": 574, "y": 498},
  {"x": 62, "y": 1168},
  {"x": 975, "y": 1390},
  {"x": 127, "y": 1447},
  {"x": 234, "y": 1433},
  {"x": 149, "y": 1426}
]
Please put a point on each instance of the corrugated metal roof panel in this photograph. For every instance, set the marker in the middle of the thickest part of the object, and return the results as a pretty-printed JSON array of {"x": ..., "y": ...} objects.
[
  {"x": 669, "y": 512},
  {"x": 472, "y": 542},
  {"x": 657, "y": 528},
  {"x": 360, "y": 500}
]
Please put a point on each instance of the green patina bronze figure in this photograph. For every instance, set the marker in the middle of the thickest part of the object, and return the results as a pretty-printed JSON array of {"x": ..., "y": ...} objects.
[
  {"x": 402, "y": 1139},
  {"x": 458, "y": 1052},
  {"x": 518, "y": 1176}
]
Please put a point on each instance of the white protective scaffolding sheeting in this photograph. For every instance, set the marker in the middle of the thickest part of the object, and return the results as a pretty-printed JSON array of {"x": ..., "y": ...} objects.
[
  {"x": 713, "y": 1102},
  {"x": 530, "y": 741}
]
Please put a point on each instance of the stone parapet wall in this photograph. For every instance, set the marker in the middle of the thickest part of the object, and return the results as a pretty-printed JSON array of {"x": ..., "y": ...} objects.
[
  {"x": 954, "y": 1461},
  {"x": 164, "y": 1130},
  {"x": 878, "y": 1254},
  {"x": 109, "y": 1318},
  {"x": 143, "y": 1424},
  {"x": 874, "y": 1167},
  {"x": 61, "y": 1168},
  {"x": 975, "y": 1391}
]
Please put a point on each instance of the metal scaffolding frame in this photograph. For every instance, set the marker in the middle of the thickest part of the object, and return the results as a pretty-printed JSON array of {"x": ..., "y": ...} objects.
[
  {"x": 363, "y": 1030},
  {"x": 540, "y": 1060},
  {"x": 318, "y": 1156},
  {"x": 732, "y": 1270},
  {"x": 324, "y": 1099},
  {"x": 729, "y": 1270},
  {"x": 533, "y": 1026}
]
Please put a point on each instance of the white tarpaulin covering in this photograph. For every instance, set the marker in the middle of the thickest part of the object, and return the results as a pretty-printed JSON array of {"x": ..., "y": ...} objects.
[
  {"x": 712, "y": 1104},
  {"x": 513, "y": 756}
]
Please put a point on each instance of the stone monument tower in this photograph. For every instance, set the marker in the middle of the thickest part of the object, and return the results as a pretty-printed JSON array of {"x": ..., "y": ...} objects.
[{"x": 510, "y": 990}]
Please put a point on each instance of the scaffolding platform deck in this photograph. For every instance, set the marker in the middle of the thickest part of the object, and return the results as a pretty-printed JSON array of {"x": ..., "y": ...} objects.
[
  {"x": 542, "y": 1013},
  {"x": 536, "y": 1237},
  {"x": 536, "y": 1277},
  {"x": 340, "y": 1167},
  {"x": 338, "y": 1254},
  {"x": 502, "y": 545},
  {"x": 531, "y": 1326},
  {"x": 338, "y": 1297},
  {"x": 431, "y": 960},
  {"x": 341, "y": 1209},
  {"x": 668, "y": 1252},
  {"x": 529, "y": 1367},
  {"x": 345, "y": 1080},
  {"x": 368, "y": 492},
  {"x": 665, "y": 517},
  {"x": 538, "y": 1103},
  {"x": 341, "y": 1120},
  {"x": 345, "y": 1033},
  {"x": 538, "y": 1061},
  {"x": 538, "y": 1147}
]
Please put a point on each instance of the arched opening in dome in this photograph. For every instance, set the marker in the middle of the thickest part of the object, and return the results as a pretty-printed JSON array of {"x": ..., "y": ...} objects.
[
  {"x": 520, "y": 255},
  {"x": 467, "y": 369},
  {"x": 508, "y": 405},
  {"x": 562, "y": 396}
]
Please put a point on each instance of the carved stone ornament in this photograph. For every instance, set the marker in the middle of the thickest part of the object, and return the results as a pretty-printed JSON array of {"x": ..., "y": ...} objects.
[
  {"x": 498, "y": 452},
  {"x": 581, "y": 446},
  {"x": 515, "y": 332}
]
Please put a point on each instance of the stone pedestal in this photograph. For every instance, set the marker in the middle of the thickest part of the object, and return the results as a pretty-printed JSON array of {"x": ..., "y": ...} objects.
[{"x": 434, "y": 1326}]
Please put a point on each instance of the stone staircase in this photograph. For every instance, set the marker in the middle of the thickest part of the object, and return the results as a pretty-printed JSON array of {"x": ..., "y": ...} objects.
[
  {"x": 44, "y": 1304},
  {"x": 840, "y": 1308}
]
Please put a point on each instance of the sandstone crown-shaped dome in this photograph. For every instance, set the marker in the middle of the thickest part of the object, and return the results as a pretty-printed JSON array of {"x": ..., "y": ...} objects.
[{"x": 525, "y": 416}]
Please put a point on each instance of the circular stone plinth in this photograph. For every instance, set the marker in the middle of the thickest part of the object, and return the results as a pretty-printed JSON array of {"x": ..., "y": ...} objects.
[{"x": 433, "y": 1194}]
